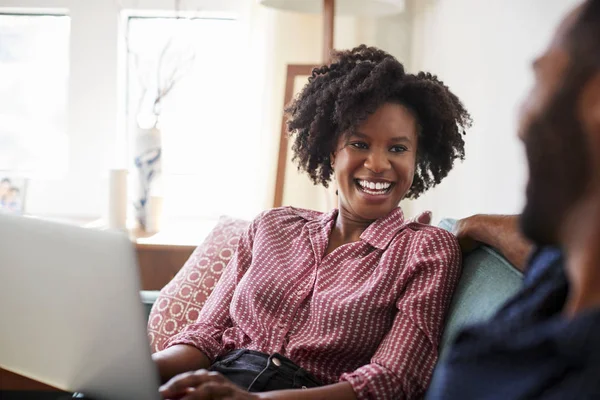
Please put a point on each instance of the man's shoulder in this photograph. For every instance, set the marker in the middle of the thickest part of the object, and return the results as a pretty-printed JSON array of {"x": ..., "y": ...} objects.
[
  {"x": 545, "y": 263},
  {"x": 546, "y": 255}
]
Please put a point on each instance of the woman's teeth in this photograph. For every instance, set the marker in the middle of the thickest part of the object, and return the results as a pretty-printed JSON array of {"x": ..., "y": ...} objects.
[{"x": 374, "y": 187}]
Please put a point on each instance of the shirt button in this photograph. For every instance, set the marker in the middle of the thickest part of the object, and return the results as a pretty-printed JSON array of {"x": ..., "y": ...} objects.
[{"x": 276, "y": 362}]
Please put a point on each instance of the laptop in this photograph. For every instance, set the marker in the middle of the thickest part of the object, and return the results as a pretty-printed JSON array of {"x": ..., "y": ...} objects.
[{"x": 71, "y": 314}]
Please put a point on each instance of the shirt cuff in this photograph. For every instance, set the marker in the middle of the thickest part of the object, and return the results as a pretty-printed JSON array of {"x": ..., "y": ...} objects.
[
  {"x": 209, "y": 346},
  {"x": 374, "y": 382}
]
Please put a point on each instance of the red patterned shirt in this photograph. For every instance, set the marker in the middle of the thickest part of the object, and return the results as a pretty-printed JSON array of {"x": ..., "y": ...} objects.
[{"x": 370, "y": 313}]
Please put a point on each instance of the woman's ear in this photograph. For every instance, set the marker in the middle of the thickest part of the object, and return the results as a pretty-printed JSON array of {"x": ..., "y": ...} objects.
[{"x": 332, "y": 159}]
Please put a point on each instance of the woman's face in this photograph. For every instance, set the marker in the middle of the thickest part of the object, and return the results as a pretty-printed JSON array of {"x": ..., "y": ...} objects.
[{"x": 374, "y": 165}]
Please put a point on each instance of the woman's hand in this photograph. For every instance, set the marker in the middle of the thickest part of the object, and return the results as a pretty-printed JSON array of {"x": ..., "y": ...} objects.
[{"x": 203, "y": 385}]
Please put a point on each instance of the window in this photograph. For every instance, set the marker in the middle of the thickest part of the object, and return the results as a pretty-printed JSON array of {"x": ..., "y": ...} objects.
[
  {"x": 208, "y": 159},
  {"x": 34, "y": 69}
]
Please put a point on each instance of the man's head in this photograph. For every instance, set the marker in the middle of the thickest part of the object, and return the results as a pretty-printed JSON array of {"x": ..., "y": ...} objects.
[{"x": 560, "y": 125}]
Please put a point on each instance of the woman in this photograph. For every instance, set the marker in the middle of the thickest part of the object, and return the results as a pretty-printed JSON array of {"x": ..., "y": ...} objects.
[{"x": 348, "y": 304}]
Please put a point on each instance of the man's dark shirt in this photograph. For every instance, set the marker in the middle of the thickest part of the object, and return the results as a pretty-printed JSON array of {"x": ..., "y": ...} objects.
[{"x": 528, "y": 349}]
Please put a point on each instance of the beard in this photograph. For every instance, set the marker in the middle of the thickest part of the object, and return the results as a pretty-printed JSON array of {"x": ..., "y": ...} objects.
[{"x": 559, "y": 166}]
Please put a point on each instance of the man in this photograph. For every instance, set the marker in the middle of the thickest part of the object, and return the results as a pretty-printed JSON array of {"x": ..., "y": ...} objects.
[{"x": 545, "y": 342}]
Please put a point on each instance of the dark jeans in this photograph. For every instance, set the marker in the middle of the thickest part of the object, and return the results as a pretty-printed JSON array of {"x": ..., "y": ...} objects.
[{"x": 259, "y": 372}]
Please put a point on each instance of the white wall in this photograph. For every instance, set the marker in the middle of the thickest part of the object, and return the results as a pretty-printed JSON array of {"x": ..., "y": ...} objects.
[
  {"x": 483, "y": 51},
  {"x": 95, "y": 124}
]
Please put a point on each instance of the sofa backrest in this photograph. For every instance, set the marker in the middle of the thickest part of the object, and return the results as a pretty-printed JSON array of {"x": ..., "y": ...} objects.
[
  {"x": 487, "y": 281},
  {"x": 179, "y": 303}
]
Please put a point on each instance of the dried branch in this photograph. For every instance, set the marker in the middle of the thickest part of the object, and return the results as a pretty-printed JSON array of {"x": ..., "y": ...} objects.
[
  {"x": 175, "y": 76},
  {"x": 159, "y": 66},
  {"x": 135, "y": 58},
  {"x": 164, "y": 81}
]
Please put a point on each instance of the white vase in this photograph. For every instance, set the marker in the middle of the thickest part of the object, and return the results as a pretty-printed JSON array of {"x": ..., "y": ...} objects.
[
  {"x": 148, "y": 167},
  {"x": 154, "y": 214}
]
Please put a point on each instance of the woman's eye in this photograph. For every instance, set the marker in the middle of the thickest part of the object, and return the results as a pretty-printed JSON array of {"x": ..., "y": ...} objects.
[
  {"x": 398, "y": 149},
  {"x": 359, "y": 145}
]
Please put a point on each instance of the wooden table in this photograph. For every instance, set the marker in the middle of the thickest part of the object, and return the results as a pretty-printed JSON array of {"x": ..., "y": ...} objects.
[{"x": 11, "y": 381}]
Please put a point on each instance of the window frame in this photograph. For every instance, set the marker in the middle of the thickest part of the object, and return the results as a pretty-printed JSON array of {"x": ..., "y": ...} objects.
[
  {"x": 97, "y": 106},
  {"x": 39, "y": 12}
]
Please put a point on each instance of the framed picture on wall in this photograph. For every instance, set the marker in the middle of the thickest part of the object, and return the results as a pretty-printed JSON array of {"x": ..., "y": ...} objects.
[
  {"x": 13, "y": 191},
  {"x": 292, "y": 187},
  {"x": 296, "y": 76}
]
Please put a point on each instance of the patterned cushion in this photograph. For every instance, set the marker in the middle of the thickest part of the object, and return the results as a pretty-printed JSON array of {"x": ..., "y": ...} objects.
[{"x": 180, "y": 301}]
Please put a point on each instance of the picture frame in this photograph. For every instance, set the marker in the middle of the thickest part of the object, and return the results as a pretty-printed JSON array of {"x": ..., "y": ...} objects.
[
  {"x": 296, "y": 76},
  {"x": 13, "y": 193}
]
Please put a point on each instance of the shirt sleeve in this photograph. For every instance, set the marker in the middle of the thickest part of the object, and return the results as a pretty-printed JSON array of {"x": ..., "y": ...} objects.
[
  {"x": 402, "y": 366},
  {"x": 214, "y": 317}
]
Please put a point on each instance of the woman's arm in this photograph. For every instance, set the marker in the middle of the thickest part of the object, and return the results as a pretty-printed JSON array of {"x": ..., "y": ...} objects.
[
  {"x": 498, "y": 231},
  {"x": 200, "y": 343},
  {"x": 404, "y": 361},
  {"x": 178, "y": 359}
]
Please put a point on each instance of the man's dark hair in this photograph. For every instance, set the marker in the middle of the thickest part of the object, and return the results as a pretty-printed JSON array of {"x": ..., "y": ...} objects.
[
  {"x": 5, "y": 180},
  {"x": 584, "y": 36},
  {"x": 358, "y": 81}
]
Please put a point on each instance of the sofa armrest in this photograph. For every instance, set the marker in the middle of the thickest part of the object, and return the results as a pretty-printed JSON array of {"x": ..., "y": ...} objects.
[
  {"x": 487, "y": 281},
  {"x": 148, "y": 299}
]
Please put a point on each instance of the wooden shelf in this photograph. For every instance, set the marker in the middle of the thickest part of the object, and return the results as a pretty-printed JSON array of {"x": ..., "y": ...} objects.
[{"x": 162, "y": 254}]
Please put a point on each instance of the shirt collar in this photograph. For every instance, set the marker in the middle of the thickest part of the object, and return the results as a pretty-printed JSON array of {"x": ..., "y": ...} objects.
[
  {"x": 311, "y": 215},
  {"x": 382, "y": 231},
  {"x": 378, "y": 234}
]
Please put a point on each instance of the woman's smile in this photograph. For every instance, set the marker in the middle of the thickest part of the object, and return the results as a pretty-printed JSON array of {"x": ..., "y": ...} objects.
[{"x": 374, "y": 189}]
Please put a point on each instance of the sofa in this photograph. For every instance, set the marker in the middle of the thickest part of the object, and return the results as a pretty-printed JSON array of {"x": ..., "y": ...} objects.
[{"x": 487, "y": 281}]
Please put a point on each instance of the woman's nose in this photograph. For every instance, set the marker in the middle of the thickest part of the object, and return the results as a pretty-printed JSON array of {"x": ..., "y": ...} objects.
[{"x": 377, "y": 162}]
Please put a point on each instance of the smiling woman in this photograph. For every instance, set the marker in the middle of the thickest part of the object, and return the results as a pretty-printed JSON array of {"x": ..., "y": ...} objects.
[
  {"x": 374, "y": 164},
  {"x": 349, "y": 304},
  {"x": 342, "y": 95}
]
